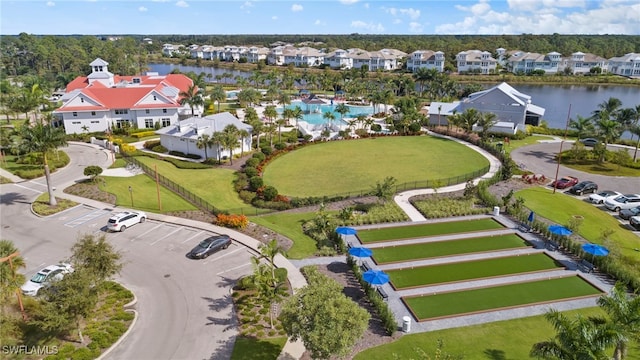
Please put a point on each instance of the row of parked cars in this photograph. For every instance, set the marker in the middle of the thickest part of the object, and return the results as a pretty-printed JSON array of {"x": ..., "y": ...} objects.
[{"x": 626, "y": 205}]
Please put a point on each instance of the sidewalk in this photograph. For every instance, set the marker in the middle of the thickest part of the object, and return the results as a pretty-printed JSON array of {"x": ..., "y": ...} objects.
[{"x": 16, "y": 179}]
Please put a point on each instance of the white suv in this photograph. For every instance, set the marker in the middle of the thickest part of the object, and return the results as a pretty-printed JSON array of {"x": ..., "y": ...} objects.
[
  {"x": 123, "y": 220},
  {"x": 622, "y": 202},
  {"x": 45, "y": 277}
]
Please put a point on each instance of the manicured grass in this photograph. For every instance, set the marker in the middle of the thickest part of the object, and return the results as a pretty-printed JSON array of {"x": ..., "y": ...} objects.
[
  {"x": 505, "y": 340},
  {"x": 41, "y": 205},
  {"x": 608, "y": 169},
  {"x": 424, "y": 230},
  {"x": 247, "y": 348},
  {"x": 290, "y": 225},
  {"x": 145, "y": 196},
  {"x": 529, "y": 140},
  {"x": 560, "y": 208},
  {"x": 213, "y": 185},
  {"x": 470, "y": 270},
  {"x": 338, "y": 167},
  {"x": 495, "y": 297},
  {"x": 447, "y": 248}
]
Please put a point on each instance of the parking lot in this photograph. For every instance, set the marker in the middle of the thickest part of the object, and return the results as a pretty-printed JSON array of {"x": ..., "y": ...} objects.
[{"x": 183, "y": 304}]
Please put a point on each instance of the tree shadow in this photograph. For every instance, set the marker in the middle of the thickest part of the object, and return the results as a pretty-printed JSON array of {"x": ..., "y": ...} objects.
[
  {"x": 248, "y": 348},
  {"x": 495, "y": 354},
  {"x": 13, "y": 198},
  {"x": 223, "y": 351},
  {"x": 550, "y": 157},
  {"x": 219, "y": 304}
]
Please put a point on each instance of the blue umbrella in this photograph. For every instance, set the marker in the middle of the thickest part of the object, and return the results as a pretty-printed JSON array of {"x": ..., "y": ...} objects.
[
  {"x": 375, "y": 277},
  {"x": 532, "y": 216},
  {"x": 559, "y": 230},
  {"x": 343, "y": 230},
  {"x": 361, "y": 252},
  {"x": 595, "y": 249}
]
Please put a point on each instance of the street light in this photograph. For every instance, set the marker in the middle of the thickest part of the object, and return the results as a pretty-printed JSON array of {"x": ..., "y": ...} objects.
[{"x": 131, "y": 194}]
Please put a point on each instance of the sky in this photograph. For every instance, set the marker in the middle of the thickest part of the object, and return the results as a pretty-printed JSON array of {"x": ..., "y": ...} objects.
[{"x": 428, "y": 17}]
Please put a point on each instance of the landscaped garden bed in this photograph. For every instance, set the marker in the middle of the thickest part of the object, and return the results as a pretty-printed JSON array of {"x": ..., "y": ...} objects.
[
  {"x": 425, "y": 230},
  {"x": 499, "y": 297},
  {"x": 428, "y": 250},
  {"x": 470, "y": 270}
]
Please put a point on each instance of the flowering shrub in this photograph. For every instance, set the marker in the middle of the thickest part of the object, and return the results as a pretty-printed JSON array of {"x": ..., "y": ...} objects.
[
  {"x": 127, "y": 149},
  {"x": 233, "y": 221}
]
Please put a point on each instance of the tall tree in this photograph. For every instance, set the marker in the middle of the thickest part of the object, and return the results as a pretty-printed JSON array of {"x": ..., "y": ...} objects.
[
  {"x": 230, "y": 138},
  {"x": 204, "y": 142},
  {"x": 342, "y": 109},
  {"x": 326, "y": 320},
  {"x": 486, "y": 122},
  {"x": 584, "y": 126},
  {"x": 624, "y": 317},
  {"x": 10, "y": 278},
  {"x": 218, "y": 95},
  {"x": 42, "y": 139},
  {"x": 192, "y": 97},
  {"x": 384, "y": 190}
]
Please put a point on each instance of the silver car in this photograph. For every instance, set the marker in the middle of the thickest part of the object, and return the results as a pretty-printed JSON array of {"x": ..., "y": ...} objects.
[{"x": 45, "y": 278}]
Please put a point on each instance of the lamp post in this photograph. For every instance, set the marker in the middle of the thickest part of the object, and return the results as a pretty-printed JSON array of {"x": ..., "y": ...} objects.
[
  {"x": 131, "y": 194},
  {"x": 560, "y": 152}
]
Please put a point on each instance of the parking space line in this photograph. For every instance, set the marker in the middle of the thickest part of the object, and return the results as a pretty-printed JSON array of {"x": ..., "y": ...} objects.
[
  {"x": 190, "y": 238},
  {"x": 222, "y": 256},
  {"x": 28, "y": 188},
  {"x": 88, "y": 217},
  {"x": 233, "y": 268},
  {"x": 169, "y": 234},
  {"x": 146, "y": 232}
]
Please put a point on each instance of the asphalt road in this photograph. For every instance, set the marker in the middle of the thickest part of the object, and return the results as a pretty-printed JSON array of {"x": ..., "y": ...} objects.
[
  {"x": 184, "y": 306},
  {"x": 540, "y": 159}
]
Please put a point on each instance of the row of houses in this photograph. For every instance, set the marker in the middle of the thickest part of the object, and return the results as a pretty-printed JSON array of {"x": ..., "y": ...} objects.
[{"x": 469, "y": 61}]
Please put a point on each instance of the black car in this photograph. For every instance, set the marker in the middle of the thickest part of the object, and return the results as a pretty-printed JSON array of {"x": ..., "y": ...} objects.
[
  {"x": 584, "y": 187},
  {"x": 628, "y": 213},
  {"x": 209, "y": 246}
]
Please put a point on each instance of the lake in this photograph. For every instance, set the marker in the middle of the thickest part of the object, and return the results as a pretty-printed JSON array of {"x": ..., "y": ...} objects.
[{"x": 584, "y": 99}]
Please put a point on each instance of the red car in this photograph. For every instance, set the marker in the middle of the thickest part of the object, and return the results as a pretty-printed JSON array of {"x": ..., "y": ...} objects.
[{"x": 564, "y": 182}]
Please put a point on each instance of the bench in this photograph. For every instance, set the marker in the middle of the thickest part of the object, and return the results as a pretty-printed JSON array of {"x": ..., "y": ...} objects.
[
  {"x": 364, "y": 267},
  {"x": 383, "y": 293},
  {"x": 524, "y": 228},
  {"x": 586, "y": 266}
]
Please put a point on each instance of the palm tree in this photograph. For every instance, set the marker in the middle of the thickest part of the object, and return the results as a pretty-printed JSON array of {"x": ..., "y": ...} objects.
[
  {"x": 271, "y": 129},
  {"x": 270, "y": 112},
  {"x": 486, "y": 122},
  {"x": 575, "y": 339},
  {"x": 423, "y": 75},
  {"x": 610, "y": 106},
  {"x": 204, "y": 141},
  {"x": 608, "y": 130},
  {"x": 624, "y": 317},
  {"x": 218, "y": 95},
  {"x": 243, "y": 133},
  {"x": 258, "y": 127},
  {"x": 584, "y": 126},
  {"x": 469, "y": 118},
  {"x": 329, "y": 116},
  {"x": 284, "y": 99},
  {"x": 230, "y": 138},
  {"x": 10, "y": 278},
  {"x": 342, "y": 109},
  {"x": 297, "y": 114},
  {"x": 191, "y": 97},
  {"x": 42, "y": 138},
  {"x": 280, "y": 122}
]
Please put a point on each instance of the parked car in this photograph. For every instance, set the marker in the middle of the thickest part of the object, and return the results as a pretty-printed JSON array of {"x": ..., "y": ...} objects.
[
  {"x": 628, "y": 213},
  {"x": 589, "y": 142},
  {"x": 634, "y": 221},
  {"x": 602, "y": 196},
  {"x": 209, "y": 246},
  {"x": 123, "y": 220},
  {"x": 45, "y": 277},
  {"x": 623, "y": 202},
  {"x": 564, "y": 182},
  {"x": 584, "y": 187}
]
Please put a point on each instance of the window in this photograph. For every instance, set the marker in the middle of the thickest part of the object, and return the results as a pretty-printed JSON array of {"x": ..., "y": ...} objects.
[
  {"x": 136, "y": 80},
  {"x": 164, "y": 111},
  {"x": 93, "y": 113},
  {"x": 155, "y": 98},
  {"x": 95, "y": 122},
  {"x": 75, "y": 114},
  {"x": 148, "y": 123},
  {"x": 76, "y": 122},
  {"x": 147, "y": 111},
  {"x": 121, "y": 111},
  {"x": 166, "y": 122},
  {"x": 81, "y": 100}
]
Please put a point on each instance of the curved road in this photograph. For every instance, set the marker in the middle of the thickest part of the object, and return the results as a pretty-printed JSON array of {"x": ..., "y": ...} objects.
[{"x": 540, "y": 159}]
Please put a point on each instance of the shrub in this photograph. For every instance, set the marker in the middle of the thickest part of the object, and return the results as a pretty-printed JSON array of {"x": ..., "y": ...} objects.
[
  {"x": 92, "y": 171},
  {"x": 251, "y": 172},
  {"x": 266, "y": 150},
  {"x": 159, "y": 149},
  {"x": 150, "y": 144},
  {"x": 193, "y": 156},
  {"x": 176, "y": 153},
  {"x": 247, "y": 196},
  {"x": 142, "y": 134},
  {"x": 281, "y": 274},
  {"x": 280, "y": 146},
  {"x": 269, "y": 193},
  {"x": 232, "y": 221},
  {"x": 259, "y": 155},
  {"x": 256, "y": 183},
  {"x": 252, "y": 162}
]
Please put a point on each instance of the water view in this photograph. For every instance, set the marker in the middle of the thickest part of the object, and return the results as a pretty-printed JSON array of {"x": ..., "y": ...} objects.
[{"x": 314, "y": 114}]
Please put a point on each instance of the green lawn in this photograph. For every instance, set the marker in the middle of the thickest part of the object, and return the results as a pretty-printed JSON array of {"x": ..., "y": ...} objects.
[
  {"x": 495, "y": 297},
  {"x": 604, "y": 169},
  {"x": 338, "y": 167},
  {"x": 290, "y": 225},
  {"x": 501, "y": 340},
  {"x": 447, "y": 248},
  {"x": 424, "y": 230},
  {"x": 529, "y": 140},
  {"x": 247, "y": 348},
  {"x": 144, "y": 194},
  {"x": 560, "y": 208},
  {"x": 213, "y": 185},
  {"x": 470, "y": 270}
]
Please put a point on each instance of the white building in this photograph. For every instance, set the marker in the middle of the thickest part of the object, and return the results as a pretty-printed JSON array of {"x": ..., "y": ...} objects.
[
  {"x": 476, "y": 61},
  {"x": 627, "y": 65},
  {"x": 581, "y": 63},
  {"x": 426, "y": 59},
  {"x": 183, "y": 135},
  {"x": 102, "y": 100}
]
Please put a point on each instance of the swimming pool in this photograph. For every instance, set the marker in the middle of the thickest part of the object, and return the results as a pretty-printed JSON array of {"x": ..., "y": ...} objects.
[{"x": 317, "y": 112}]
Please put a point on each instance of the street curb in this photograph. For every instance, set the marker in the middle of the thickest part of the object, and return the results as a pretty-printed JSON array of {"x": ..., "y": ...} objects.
[{"x": 133, "y": 323}]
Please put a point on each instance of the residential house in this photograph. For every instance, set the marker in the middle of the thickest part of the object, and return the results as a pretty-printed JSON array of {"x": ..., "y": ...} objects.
[
  {"x": 476, "y": 61},
  {"x": 425, "y": 59},
  {"x": 255, "y": 54},
  {"x": 581, "y": 63},
  {"x": 171, "y": 50},
  {"x": 627, "y": 65},
  {"x": 526, "y": 62},
  {"x": 338, "y": 59},
  {"x": 513, "y": 109},
  {"x": 102, "y": 100},
  {"x": 183, "y": 135}
]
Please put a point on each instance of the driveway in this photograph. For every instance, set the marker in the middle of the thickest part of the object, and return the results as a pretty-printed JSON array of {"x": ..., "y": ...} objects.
[{"x": 540, "y": 159}]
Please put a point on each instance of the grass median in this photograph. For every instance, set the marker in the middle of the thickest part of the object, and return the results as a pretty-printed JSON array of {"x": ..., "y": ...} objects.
[
  {"x": 425, "y": 230},
  {"x": 470, "y": 270},
  {"x": 143, "y": 195}
]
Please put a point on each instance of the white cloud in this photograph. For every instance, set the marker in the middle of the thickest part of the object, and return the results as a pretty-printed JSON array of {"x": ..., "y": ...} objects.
[
  {"x": 476, "y": 9},
  {"x": 319, "y": 22},
  {"x": 397, "y": 21},
  {"x": 246, "y": 5},
  {"x": 182, "y": 3},
  {"x": 412, "y": 13},
  {"x": 366, "y": 6},
  {"x": 349, "y": 2},
  {"x": 415, "y": 27},
  {"x": 533, "y": 5},
  {"x": 142, "y": 9},
  {"x": 358, "y": 24},
  {"x": 296, "y": 7},
  {"x": 51, "y": 3}
]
